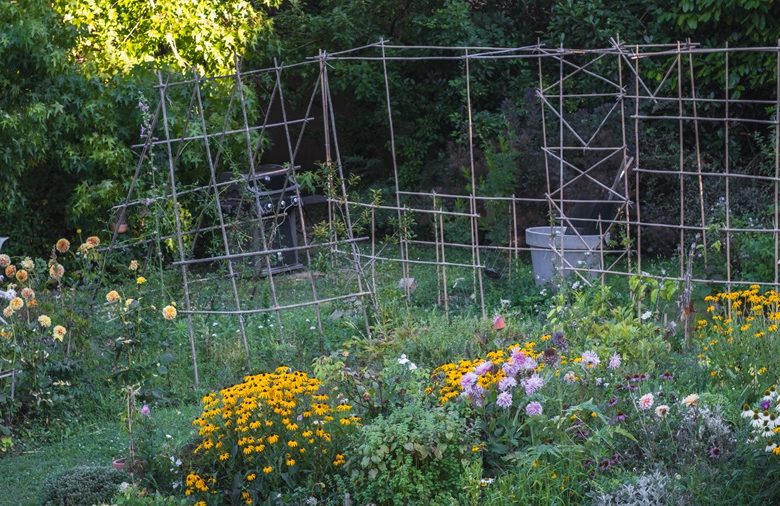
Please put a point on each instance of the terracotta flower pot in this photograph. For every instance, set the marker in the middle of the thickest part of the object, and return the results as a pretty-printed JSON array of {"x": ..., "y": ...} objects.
[
  {"x": 119, "y": 464},
  {"x": 137, "y": 469},
  {"x": 119, "y": 228},
  {"x": 498, "y": 322}
]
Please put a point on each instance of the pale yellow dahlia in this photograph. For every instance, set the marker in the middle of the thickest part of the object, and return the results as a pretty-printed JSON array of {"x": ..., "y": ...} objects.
[
  {"x": 59, "y": 332},
  {"x": 169, "y": 312},
  {"x": 16, "y": 303}
]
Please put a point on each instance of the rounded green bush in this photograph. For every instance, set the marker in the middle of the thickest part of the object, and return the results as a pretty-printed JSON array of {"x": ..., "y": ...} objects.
[{"x": 82, "y": 486}]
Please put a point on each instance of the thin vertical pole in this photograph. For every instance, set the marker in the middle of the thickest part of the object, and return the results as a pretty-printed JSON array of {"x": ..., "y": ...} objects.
[
  {"x": 624, "y": 164},
  {"x": 777, "y": 162},
  {"x": 544, "y": 137},
  {"x": 177, "y": 221},
  {"x": 373, "y": 249},
  {"x": 510, "y": 237},
  {"x": 601, "y": 255},
  {"x": 438, "y": 253},
  {"x": 347, "y": 216},
  {"x": 301, "y": 218},
  {"x": 328, "y": 155},
  {"x": 637, "y": 192},
  {"x": 252, "y": 176},
  {"x": 727, "y": 163},
  {"x": 682, "y": 163},
  {"x": 514, "y": 225},
  {"x": 560, "y": 161},
  {"x": 473, "y": 200},
  {"x": 698, "y": 157},
  {"x": 444, "y": 264},
  {"x": 220, "y": 216},
  {"x": 402, "y": 228},
  {"x": 405, "y": 246}
]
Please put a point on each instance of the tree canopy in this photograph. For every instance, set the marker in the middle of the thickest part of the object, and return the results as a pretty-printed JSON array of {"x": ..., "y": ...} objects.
[
  {"x": 75, "y": 72},
  {"x": 115, "y": 36}
]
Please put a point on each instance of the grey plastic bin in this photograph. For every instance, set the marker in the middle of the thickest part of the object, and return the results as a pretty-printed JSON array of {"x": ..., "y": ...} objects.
[{"x": 547, "y": 243}]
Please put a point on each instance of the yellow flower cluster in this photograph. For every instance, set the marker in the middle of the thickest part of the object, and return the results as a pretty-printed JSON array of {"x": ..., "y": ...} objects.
[
  {"x": 449, "y": 375},
  {"x": 195, "y": 483},
  {"x": 734, "y": 338},
  {"x": 270, "y": 423},
  {"x": 745, "y": 310}
]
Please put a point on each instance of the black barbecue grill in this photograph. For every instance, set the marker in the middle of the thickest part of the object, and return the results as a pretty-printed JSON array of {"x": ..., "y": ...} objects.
[{"x": 270, "y": 195}]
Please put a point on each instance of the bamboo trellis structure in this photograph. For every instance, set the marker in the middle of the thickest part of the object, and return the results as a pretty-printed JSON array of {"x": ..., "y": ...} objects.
[{"x": 609, "y": 164}]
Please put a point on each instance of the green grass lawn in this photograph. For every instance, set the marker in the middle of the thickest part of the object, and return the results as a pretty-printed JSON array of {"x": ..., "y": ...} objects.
[{"x": 22, "y": 475}]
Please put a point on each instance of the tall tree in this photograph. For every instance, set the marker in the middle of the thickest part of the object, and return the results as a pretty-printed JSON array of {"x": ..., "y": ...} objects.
[{"x": 115, "y": 36}]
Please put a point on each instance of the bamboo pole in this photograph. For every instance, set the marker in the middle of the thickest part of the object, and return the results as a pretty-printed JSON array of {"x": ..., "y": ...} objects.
[
  {"x": 220, "y": 216},
  {"x": 179, "y": 242}
]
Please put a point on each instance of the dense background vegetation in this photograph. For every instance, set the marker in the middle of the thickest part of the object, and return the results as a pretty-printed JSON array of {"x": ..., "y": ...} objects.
[
  {"x": 610, "y": 403},
  {"x": 75, "y": 71}
]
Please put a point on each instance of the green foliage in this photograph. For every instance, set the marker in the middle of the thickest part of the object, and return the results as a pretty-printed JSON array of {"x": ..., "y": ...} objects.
[
  {"x": 134, "y": 496},
  {"x": 158, "y": 456},
  {"x": 116, "y": 37},
  {"x": 598, "y": 318},
  {"x": 590, "y": 23},
  {"x": 547, "y": 476},
  {"x": 377, "y": 385},
  {"x": 82, "y": 485},
  {"x": 502, "y": 177},
  {"x": 416, "y": 451},
  {"x": 654, "y": 488},
  {"x": 740, "y": 23},
  {"x": 57, "y": 127},
  {"x": 651, "y": 294}
]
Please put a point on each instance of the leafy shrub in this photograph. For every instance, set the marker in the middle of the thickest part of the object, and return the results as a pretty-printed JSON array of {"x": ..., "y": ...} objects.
[
  {"x": 519, "y": 397},
  {"x": 270, "y": 432},
  {"x": 414, "y": 452},
  {"x": 545, "y": 475},
  {"x": 133, "y": 496},
  {"x": 37, "y": 335},
  {"x": 158, "y": 455},
  {"x": 82, "y": 485},
  {"x": 376, "y": 386},
  {"x": 598, "y": 318},
  {"x": 650, "y": 489},
  {"x": 53, "y": 339}
]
